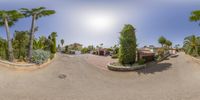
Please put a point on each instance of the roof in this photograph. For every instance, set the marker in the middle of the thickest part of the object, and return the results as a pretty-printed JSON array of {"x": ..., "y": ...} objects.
[
  {"x": 145, "y": 52},
  {"x": 102, "y": 49},
  {"x": 77, "y": 44}
]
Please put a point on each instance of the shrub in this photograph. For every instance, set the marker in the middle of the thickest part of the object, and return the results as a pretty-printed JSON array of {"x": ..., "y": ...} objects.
[
  {"x": 161, "y": 52},
  {"x": 115, "y": 56},
  {"x": 20, "y": 44},
  {"x": 66, "y": 49},
  {"x": 3, "y": 49},
  {"x": 84, "y": 50},
  {"x": 141, "y": 61},
  {"x": 127, "y": 50},
  {"x": 40, "y": 56}
]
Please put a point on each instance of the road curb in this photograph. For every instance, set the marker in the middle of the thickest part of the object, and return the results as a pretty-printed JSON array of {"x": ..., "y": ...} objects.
[{"x": 25, "y": 67}]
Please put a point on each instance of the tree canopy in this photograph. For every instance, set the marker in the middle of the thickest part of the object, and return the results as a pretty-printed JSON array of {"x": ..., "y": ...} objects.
[{"x": 162, "y": 40}]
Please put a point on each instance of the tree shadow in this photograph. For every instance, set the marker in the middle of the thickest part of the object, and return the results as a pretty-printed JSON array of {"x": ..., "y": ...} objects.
[{"x": 156, "y": 67}]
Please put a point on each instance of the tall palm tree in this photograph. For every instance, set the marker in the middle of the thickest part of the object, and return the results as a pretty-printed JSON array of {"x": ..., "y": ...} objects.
[
  {"x": 7, "y": 19},
  {"x": 62, "y": 42},
  {"x": 35, "y": 13},
  {"x": 192, "y": 45}
]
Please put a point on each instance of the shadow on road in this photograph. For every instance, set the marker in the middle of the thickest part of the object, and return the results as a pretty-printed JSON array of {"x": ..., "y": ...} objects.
[{"x": 151, "y": 69}]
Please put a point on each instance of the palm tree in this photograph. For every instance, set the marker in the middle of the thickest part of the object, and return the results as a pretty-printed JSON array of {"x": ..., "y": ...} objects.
[
  {"x": 195, "y": 16},
  {"x": 192, "y": 45},
  {"x": 7, "y": 19},
  {"x": 35, "y": 13},
  {"x": 62, "y": 42}
]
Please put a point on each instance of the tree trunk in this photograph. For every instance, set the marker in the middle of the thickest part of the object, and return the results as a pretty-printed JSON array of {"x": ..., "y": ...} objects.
[
  {"x": 10, "y": 49},
  {"x": 31, "y": 37}
]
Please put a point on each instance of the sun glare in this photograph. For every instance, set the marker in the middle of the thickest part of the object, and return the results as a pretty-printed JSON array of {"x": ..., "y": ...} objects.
[{"x": 99, "y": 22}]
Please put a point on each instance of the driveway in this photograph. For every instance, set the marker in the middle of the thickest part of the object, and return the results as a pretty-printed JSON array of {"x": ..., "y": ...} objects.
[{"x": 173, "y": 79}]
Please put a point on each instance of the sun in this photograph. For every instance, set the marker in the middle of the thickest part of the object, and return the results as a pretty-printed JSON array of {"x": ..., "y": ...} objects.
[{"x": 99, "y": 22}]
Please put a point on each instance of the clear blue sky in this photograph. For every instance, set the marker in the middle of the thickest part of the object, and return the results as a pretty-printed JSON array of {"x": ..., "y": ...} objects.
[{"x": 151, "y": 18}]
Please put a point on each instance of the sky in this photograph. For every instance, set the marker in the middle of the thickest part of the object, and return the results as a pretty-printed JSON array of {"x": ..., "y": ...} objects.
[{"x": 92, "y": 22}]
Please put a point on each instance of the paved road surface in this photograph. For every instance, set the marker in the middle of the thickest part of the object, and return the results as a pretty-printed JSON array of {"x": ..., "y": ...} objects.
[{"x": 173, "y": 79}]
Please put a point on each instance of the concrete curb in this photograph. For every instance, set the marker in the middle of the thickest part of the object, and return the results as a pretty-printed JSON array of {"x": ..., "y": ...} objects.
[
  {"x": 124, "y": 69},
  {"x": 25, "y": 67}
]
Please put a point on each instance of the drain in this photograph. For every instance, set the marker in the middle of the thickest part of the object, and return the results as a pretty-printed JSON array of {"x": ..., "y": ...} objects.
[{"x": 62, "y": 76}]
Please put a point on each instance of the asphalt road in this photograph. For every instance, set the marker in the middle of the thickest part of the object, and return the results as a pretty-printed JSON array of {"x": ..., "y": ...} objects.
[{"x": 173, "y": 79}]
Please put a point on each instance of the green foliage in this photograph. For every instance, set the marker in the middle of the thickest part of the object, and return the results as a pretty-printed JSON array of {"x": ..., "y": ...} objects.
[
  {"x": 195, "y": 16},
  {"x": 127, "y": 50},
  {"x": 11, "y": 16},
  {"x": 53, "y": 38},
  {"x": 3, "y": 49},
  {"x": 44, "y": 43},
  {"x": 191, "y": 45},
  {"x": 48, "y": 44},
  {"x": 52, "y": 56},
  {"x": 20, "y": 44},
  {"x": 7, "y": 19},
  {"x": 38, "y": 12},
  {"x": 115, "y": 56},
  {"x": 115, "y": 49},
  {"x": 84, "y": 50},
  {"x": 162, "y": 40},
  {"x": 109, "y": 49},
  {"x": 91, "y": 48},
  {"x": 141, "y": 61},
  {"x": 41, "y": 42},
  {"x": 62, "y": 41},
  {"x": 40, "y": 56},
  {"x": 66, "y": 49},
  {"x": 168, "y": 43},
  {"x": 161, "y": 52}
]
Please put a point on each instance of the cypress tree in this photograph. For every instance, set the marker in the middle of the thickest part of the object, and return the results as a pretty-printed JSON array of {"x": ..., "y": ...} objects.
[
  {"x": 127, "y": 50},
  {"x": 53, "y": 46}
]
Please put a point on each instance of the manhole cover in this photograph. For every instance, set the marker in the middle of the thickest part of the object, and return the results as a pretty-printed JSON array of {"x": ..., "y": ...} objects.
[{"x": 62, "y": 76}]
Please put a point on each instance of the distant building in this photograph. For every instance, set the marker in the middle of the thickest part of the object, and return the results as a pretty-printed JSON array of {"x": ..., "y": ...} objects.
[
  {"x": 153, "y": 48},
  {"x": 75, "y": 48},
  {"x": 103, "y": 52},
  {"x": 173, "y": 51},
  {"x": 146, "y": 53}
]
